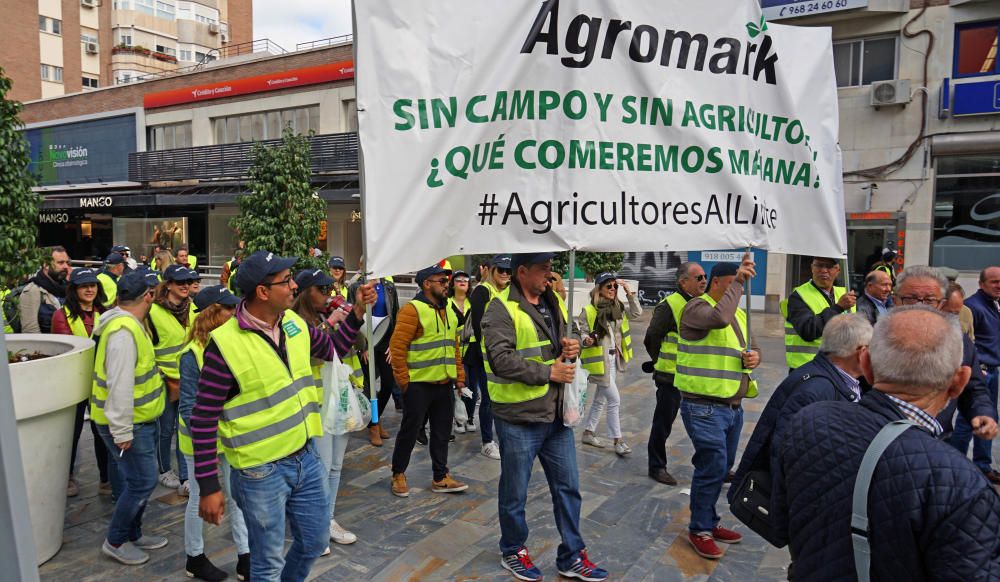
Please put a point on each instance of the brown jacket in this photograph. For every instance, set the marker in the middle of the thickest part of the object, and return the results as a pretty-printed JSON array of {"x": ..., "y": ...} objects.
[{"x": 408, "y": 328}]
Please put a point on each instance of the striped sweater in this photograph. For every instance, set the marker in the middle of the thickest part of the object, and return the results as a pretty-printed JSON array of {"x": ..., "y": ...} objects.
[{"x": 217, "y": 386}]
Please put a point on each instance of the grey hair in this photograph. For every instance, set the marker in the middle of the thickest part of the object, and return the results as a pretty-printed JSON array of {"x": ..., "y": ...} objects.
[
  {"x": 922, "y": 272},
  {"x": 685, "y": 269},
  {"x": 872, "y": 277},
  {"x": 899, "y": 358},
  {"x": 844, "y": 333}
]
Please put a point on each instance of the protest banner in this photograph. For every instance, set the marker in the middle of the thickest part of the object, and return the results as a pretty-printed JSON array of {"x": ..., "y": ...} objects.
[{"x": 618, "y": 125}]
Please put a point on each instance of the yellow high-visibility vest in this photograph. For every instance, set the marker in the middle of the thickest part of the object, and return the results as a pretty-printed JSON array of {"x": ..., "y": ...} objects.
[
  {"x": 666, "y": 362},
  {"x": 148, "y": 394},
  {"x": 713, "y": 365}
]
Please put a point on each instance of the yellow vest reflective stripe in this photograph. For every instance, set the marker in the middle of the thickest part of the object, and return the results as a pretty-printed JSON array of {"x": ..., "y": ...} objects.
[
  {"x": 357, "y": 372},
  {"x": 529, "y": 345},
  {"x": 797, "y": 350},
  {"x": 171, "y": 336},
  {"x": 278, "y": 408},
  {"x": 666, "y": 362},
  {"x": 431, "y": 357},
  {"x": 592, "y": 358},
  {"x": 713, "y": 365},
  {"x": 76, "y": 323},
  {"x": 110, "y": 287},
  {"x": 231, "y": 282},
  {"x": 148, "y": 393},
  {"x": 184, "y": 443}
]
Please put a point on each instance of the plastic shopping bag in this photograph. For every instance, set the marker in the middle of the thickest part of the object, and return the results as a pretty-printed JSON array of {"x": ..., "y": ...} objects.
[
  {"x": 330, "y": 386},
  {"x": 461, "y": 415},
  {"x": 574, "y": 402},
  {"x": 364, "y": 408}
]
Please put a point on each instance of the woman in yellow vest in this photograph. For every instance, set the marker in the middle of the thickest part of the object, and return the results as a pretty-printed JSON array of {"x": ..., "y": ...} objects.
[
  {"x": 214, "y": 306},
  {"x": 169, "y": 323},
  {"x": 607, "y": 348},
  {"x": 458, "y": 301},
  {"x": 79, "y": 316},
  {"x": 338, "y": 272},
  {"x": 312, "y": 303}
]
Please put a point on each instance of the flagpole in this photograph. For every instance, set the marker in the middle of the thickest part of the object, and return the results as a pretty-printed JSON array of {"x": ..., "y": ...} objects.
[
  {"x": 747, "y": 291},
  {"x": 572, "y": 287}
]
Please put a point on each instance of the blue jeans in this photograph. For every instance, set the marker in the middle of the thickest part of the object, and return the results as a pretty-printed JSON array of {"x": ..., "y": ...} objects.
[
  {"x": 331, "y": 451},
  {"x": 292, "y": 488},
  {"x": 552, "y": 443},
  {"x": 982, "y": 449},
  {"x": 714, "y": 431},
  {"x": 168, "y": 437},
  {"x": 135, "y": 471},
  {"x": 194, "y": 539}
]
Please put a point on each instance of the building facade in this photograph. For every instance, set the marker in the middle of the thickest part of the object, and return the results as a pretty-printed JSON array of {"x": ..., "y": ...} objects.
[
  {"x": 919, "y": 92},
  {"x": 60, "y": 47},
  {"x": 163, "y": 162}
]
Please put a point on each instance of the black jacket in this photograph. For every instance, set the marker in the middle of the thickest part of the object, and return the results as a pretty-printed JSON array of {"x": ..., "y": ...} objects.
[
  {"x": 932, "y": 514},
  {"x": 808, "y": 325},
  {"x": 974, "y": 400},
  {"x": 817, "y": 381},
  {"x": 867, "y": 308},
  {"x": 660, "y": 325}
]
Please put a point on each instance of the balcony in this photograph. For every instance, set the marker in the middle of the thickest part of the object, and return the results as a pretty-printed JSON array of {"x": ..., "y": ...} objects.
[{"x": 331, "y": 153}]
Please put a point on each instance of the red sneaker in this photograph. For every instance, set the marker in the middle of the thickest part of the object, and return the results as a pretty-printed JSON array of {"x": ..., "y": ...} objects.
[
  {"x": 704, "y": 545},
  {"x": 726, "y": 536}
]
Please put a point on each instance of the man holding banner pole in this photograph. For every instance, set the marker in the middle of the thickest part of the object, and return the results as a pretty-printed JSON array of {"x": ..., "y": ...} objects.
[
  {"x": 809, "y": 307},
  {"x": 529, "y": 354}
]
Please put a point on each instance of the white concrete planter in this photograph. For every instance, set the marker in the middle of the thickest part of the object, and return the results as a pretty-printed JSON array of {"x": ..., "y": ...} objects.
[{"x": 46, "y": 393}]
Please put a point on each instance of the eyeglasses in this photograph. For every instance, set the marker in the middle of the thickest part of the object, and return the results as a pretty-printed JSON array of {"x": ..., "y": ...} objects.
[
  {"x": 913, "y": 300},
  {"x": 286, "y": 281}
]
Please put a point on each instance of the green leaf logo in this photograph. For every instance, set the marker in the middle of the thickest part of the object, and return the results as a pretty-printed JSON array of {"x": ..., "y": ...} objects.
[{"x": 756, "y": 29}]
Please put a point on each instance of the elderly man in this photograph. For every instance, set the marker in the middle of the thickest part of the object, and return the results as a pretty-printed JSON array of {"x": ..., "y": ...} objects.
[
  {"x": 931, "y": 514},
  {"x": 809, "y": 307},
  {"x": 661, "y": 345},
  {"x": 831, "y": 376},
  {"x": 876, "y": 300},
  {"x": 985, "y": 306}
]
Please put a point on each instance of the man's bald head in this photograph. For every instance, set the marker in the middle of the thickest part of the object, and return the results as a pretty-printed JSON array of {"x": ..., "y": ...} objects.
[{"x": 916, "y": 349}]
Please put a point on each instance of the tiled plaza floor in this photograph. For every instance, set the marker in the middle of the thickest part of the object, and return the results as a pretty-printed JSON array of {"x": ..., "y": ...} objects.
[{"x": 633, "y": 526}]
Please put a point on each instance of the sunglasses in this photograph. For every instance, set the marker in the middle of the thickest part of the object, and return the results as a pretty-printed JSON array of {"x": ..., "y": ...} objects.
[
  {"x": 461, "y": 280},
  {"x": 611, "y": 286},
  {"x": 553, "y": 279},
  {"x": 438, "y": 281},
  {"x": 503, "y": 271},
  {"x": 700, "y": 278},
  {"x": 325, "y": 289}
]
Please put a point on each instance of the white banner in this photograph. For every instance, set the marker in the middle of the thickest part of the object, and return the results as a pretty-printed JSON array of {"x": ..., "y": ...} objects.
[{"x": 610, "y": 125}]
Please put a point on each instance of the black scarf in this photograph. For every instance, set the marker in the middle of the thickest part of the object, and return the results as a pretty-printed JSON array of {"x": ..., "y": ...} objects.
[
  {"x": 57, "y": 288},
  {"x": 608, "y": 312},
  {"x": 181, "y": 311}
]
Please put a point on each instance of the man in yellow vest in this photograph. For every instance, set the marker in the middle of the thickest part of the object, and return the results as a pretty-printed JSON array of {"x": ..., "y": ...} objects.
[
  {"x": 809, "y": 307},
  {"x": 713, "y": 377},
  {"x": 258, "y": 398},
  {"x": 127, "y": 399},
  {"x": 427, "y": 365},
  {"x": 114, "y": 267},
  {"x": 529, "y": 360},
  {"x": 661, "y": 345}
]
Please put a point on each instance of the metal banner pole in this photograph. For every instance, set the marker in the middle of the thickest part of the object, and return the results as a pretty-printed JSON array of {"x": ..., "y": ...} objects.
[
  {"x": 572, "y": 288},
  {"x": 747, "y": 291}
]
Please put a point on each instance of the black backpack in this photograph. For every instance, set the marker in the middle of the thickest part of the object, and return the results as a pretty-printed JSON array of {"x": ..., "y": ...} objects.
[{"x": 11, "y": 307}]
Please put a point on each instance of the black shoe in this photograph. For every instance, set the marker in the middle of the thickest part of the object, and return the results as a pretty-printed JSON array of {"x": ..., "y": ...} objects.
[
  {"x": 663, "y": 476},
  {"x": 422, "y": 437},
  {"x": 243, "y": 567},
  {"x": 451, "y": 438},
  {"x": 201, "y": 568},
  {"x": 993, "y": 477}
]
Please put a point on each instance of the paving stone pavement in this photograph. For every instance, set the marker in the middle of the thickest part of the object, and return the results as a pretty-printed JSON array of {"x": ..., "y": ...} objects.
[{"x": 633, "y": 526}]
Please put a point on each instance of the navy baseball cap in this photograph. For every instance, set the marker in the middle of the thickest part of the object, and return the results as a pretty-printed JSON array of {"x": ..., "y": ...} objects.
[
  {"x": 215, "y": 294},
  {"x": 133, "y": 285},
  {"x": 336, "y": 262},
  {"x": 120, "y": 248},
  {"x": 423, "y": 274},
  {"x": 179, "y": 273},
  {"x": 114, "y": 259},
  {"x": 312, "y": 277},
  {"x": 82, "y": 276},
  {"x": 459, "y": 273},
  {"x": 604, "y": 278},
  {"x": 528, "y": 259},
  {"x": 723, "y": 270},
  {"x": 500, "y": 262},
  {"x": 257, "y": 267}
]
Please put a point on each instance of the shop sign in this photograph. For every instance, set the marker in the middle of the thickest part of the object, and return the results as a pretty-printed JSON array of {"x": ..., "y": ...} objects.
[
  {"x": 248, "y": 85},
  {"x": 53, "y": 218},
  {"x": 778, "y": 9},
  {"x": 96, "y": 202},
  {"x": 977, "y": 98},
  {"x": 85, "y": 152}
]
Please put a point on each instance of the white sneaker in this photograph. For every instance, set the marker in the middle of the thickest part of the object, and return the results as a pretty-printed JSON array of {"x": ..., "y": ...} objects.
[
  {"x": 491, "y": 450},
  {"x": 184, "y": 490},
  {"x": 340, "y": 535},
  {"x": 470, "y": 426},
  {"x": 170, "y": 480},
  {"x": 460, "y": 428},
  {"x": 592, "y": 440},
  {"x": 622, "y": 448}
]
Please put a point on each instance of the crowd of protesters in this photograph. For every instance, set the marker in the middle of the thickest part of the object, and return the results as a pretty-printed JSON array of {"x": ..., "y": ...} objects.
[{"x": 216, "y": 392}]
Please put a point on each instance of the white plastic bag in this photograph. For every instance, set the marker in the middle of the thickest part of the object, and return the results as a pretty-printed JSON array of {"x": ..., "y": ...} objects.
[
  {"x": 345, "y": 409},
  {"x": 574, "y": 402},
  {"x": 461, "y": 415}
]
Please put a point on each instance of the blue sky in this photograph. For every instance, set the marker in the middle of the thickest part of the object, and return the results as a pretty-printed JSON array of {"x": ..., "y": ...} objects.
[{"x": 289, "y": 22}]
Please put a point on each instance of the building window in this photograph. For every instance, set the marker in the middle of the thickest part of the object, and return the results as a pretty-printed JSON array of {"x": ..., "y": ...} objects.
[
  {"x": 165, "y": 9},
  {"x": 124, "y": 39},
  {"x": 46, "y": 24},
  {"x": 187, "y": 56},
  {"x": 146, "y": 6},
  {"x": 976, "y": 49},
  {"x": 184, "y": 11},
  {"x": 43, "y": 24},
  {"x": 168, "y": 137},
  {"x": 90, "y": 83},
  {"x": 123, "y": 5},
  {"x": 45, "y": 72},
  {"x": 52, "y": 73},
  {"x": 967, "y": 212},
  {"x": 265, "y": 124},
  {"x": 206, "y": 19},
  {"x": 86, "y": 37},
  {"x": 864, "y": 61},
  {"x": 166, "y": 50}
]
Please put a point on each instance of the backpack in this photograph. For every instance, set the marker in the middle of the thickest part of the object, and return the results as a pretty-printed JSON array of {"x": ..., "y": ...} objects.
[{"x": 11, "y": 302}]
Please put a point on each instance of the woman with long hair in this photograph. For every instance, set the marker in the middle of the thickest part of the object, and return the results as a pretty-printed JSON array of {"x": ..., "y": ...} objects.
[
  {"x": 311, "y": 303},
  {"x": 161, "y": 261},
  {"x": 338, "y": 272},
  {"x": 607, "y": 348},
  {"x": 215, "y": 306},
  {"x": 496, "y": 278},
  {"x": 79, "y": 316}
]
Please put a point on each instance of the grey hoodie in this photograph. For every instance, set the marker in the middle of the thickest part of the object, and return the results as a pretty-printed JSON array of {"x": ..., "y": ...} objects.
[{"x": 121, "y": 355}]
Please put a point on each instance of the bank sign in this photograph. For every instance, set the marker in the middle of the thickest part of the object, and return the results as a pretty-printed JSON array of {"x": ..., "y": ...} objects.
[
  {"x": 86, "y": 152},
  {"x": 780, "y": 9}
]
